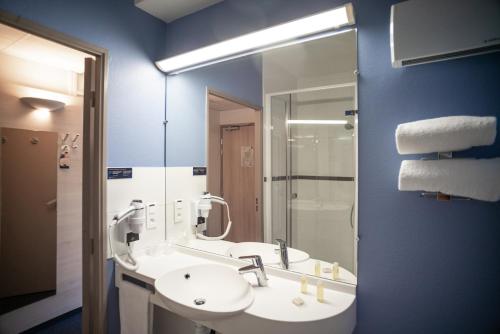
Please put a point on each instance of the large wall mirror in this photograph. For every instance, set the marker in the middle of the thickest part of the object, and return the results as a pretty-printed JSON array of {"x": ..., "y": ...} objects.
[{"x": 280, "y": 146}]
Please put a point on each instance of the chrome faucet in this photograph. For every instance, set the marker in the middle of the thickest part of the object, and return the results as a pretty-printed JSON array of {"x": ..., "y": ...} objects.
[
  {"x": 257, "y": 267},
  {"x": 283, "y": 253}
]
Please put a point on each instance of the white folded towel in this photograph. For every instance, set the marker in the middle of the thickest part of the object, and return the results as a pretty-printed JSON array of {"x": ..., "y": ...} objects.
[
  {"x": 477, "y": 179},
  {"x": 136, "y": 312},
  {"x": 445, "y": 134}
]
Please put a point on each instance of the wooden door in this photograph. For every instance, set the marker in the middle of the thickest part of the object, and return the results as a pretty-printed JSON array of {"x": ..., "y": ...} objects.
[
  {"x": 238, "y": 182},
  {"x": 94, "y": 245},
  {"x": 28, "y": 237}
]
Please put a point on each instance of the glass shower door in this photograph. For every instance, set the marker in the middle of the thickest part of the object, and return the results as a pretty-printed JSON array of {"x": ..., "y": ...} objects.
[
  {"x": 313, "y": 168},
  {"x": 280, "y": 111}
]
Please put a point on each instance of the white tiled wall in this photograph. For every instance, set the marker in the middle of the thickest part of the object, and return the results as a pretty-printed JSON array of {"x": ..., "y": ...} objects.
[
  {"x": 181, "y": 184},
  {"x": 147, "y": 184},
  {"x": 325, "y": 150},
  {"x": 321, "y": 220},
  {"x": 161, "y": 186}
]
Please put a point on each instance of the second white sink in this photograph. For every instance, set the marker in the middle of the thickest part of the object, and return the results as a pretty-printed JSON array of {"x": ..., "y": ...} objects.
[
  {"x": 205, "y": 292},
  {"x": 268, "y": 252}
]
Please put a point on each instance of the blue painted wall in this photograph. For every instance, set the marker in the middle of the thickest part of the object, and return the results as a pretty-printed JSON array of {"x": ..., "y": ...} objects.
[
  {"x": 186, "y": 95},
  {"x": 136, "y": 89},
  {"x": 424, "y": 266}
]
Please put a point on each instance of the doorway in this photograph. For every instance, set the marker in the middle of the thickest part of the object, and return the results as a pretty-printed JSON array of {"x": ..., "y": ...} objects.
[
  {"x": 234, "y": 161},
  {"x": 52, "y": 129}
]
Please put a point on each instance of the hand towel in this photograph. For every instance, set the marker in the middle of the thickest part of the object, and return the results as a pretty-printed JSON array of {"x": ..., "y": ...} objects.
[
  {"x": 445, "y": 134},
  {"x": 135, "y": 309},
  {"x": 476, "y": 179}
]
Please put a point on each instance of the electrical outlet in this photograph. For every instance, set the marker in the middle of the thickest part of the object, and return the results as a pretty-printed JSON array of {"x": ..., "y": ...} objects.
[
  {"x": 151, "y": 213},
  {"x": 178, "y": 211}
]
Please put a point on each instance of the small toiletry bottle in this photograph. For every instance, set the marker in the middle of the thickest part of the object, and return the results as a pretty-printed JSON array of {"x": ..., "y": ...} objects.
[
  {"x": 303, "y": 284},
  {"x": 320, "y": 293},
  {"x": 317, "y": 268},
  {"x": 335, "y": 271}
]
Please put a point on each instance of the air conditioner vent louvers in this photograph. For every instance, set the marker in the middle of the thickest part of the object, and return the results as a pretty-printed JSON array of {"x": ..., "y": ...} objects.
[
  {"x": 424, "y": 31},
  {"x": 451, "y": 55}
]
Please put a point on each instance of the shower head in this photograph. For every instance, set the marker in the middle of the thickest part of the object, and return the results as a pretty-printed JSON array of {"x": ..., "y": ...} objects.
[{"x": 348, "y": 126}]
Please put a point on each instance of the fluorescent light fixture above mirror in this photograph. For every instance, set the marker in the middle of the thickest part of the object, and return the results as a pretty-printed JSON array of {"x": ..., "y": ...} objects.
[
  {"x": 258, "y": 41},
  {"x": 316, "y": 121}
]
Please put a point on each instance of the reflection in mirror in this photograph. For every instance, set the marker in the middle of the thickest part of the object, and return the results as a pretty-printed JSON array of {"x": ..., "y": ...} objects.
[
  {"x": 280, "y": 140},
  {"x": 312, "y": 173},
  {"x": 234, "y": 166}
]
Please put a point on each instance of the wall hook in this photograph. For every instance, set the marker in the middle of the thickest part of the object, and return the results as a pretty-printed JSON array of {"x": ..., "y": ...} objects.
[
  {"x": 73, "y": 141},
  {"x": 65, "y": 149},
  {"x": 66, "y": 136}
]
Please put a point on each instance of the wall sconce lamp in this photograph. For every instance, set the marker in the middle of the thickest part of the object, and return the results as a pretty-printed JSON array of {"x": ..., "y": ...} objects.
[{"x": 42, "y": 104}]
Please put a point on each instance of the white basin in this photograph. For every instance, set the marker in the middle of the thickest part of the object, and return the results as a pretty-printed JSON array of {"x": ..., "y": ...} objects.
[
  {"x": 266, "y": 251},
  {"x": 205, "y": 292}
]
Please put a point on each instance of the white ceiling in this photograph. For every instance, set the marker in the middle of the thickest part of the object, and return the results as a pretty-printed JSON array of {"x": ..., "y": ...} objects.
[
  {"x": 169, "y": 10},
  {"x": 17, "y": 43}
]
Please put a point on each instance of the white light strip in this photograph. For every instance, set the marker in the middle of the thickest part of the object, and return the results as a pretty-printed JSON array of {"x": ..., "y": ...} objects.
[
  {"x": 317, "y": 23},
  {"x": 316, "y": 121}
]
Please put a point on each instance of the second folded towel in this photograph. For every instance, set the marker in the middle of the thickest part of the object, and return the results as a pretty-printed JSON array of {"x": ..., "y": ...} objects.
[
  {"x": 445, "y": 134},
  {"x": 477, "y": 179}
]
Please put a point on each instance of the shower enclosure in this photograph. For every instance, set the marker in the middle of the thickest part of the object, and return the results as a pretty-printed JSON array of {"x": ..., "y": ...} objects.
[{"x": 310, "y": 162}]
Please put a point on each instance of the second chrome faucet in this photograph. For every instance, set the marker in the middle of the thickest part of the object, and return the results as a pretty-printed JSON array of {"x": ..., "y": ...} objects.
[
  {"x": 283, "y": 253},
  {"x": 257, "y": 267}
]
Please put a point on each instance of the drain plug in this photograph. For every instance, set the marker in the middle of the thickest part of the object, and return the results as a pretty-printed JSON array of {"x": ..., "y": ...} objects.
[{"x": 199, "y": 301}]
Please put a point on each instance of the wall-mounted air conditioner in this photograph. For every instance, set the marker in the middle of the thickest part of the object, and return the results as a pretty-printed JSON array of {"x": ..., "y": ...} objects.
[{"x": 424, "y": 31}]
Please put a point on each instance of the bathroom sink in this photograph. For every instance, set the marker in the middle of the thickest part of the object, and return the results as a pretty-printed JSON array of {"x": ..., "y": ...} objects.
[
  {"x": 268, "y": 252},
  {"x": 205, "y": 292}
]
